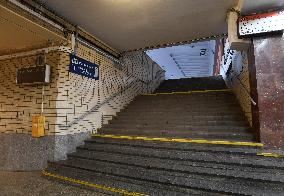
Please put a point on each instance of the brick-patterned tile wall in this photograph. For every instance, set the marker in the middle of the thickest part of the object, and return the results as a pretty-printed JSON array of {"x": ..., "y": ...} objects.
[
  {"x": 18, "y": 103},
  {"x": 238, "y": 88},
  {"x": 81, "y": 102},
  {"x": 72, "y": 103}
]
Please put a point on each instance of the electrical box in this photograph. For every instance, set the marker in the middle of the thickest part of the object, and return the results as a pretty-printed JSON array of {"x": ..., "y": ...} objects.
[
  {"x": 38, "y": 124},
  {"x": 33, "y": 75}
]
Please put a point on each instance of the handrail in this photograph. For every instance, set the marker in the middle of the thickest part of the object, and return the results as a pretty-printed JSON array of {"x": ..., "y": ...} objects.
[
  {"x": 99, "y": 105},
  {"x": 242, "y": 85},
  {"x": 246, "y": 90}
]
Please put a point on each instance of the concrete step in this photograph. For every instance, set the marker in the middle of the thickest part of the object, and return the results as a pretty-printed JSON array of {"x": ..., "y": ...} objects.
[
  {"x": 211, "y": 97},
  {"x": 183, "y": 118},
  {"x": 187, "y": 98},
  {"x": 179, "y": 179},
  {"x": 171, "y": 108},
  {"x": 220, "y": 105},
  {"x": 170, "y": 122},
  {"x": 204, "y": 147},
  {"x": 180, "y": 113},
  {"x": 177, "y": 127},
  {"x": 216, "y": 135},
  {"x": 186, "y": 101},
  {"x": 187, "y": 84},
  {"x": 105, "y": 153},
  {"x": 232, "y": 155},
  {"x": 125, "y": 183},
  {"x": 187, "y": 94}
]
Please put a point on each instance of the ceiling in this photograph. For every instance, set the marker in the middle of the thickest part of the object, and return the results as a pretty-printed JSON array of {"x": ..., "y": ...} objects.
[
  {"x": 251, "y": 6},
  {"x": 129, "y": 24},
  {"x": 191, "y": 60},
  {"x": 19, "y": 33},
  {"x": 133, "y": 24}
]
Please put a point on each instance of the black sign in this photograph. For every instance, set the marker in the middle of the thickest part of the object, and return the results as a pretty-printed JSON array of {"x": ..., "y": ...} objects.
[
  {"x": 33, "y": 75},
  {"x": 82, "y": 67}
]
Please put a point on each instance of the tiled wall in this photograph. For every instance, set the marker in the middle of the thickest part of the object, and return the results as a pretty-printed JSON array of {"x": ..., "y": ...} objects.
[
  {"x": 73, "y": 103},
  {"x": 85, "y": 104},
  {"x": 19, "y": 103},
  {"x": 237, "y": 77}
]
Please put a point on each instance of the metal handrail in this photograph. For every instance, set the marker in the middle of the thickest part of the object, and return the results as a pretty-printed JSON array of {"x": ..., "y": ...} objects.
[
  {"x": 99, "y": 105},
  {"x": 246, "y": 90},
  {"x": 242, "y": 85}
]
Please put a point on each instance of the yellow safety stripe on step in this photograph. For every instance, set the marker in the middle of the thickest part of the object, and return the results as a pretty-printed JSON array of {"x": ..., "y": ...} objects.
[
  {"x": 179, "y": 140},
  {"x": 189, "y": 92},
  {"x": 89, "y": 184},
  {"x": 268, "y": 154}
]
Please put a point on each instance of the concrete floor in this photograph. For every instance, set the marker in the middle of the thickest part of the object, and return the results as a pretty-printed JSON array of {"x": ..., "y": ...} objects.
[{"x": 33, "y": 184}]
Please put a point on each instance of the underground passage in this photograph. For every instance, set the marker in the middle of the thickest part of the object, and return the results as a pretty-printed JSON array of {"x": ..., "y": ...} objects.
[{"x": 141, "y": 97}]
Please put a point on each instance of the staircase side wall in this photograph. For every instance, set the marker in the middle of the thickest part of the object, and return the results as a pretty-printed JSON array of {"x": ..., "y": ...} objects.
[
  {"x": 84, "y": 105},
  {"x": 71, "y": 103},
  {"x": 81, "y": 101}
]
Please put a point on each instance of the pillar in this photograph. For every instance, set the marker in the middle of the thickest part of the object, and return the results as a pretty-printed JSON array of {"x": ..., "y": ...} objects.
[{"x": 269, "y": 65}]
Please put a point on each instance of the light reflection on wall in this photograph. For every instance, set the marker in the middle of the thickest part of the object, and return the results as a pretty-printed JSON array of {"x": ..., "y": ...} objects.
[{"x": 190, "y": 60}]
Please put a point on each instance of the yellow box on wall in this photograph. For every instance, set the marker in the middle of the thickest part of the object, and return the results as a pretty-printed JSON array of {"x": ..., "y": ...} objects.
[{"x": 38, "y": 124}]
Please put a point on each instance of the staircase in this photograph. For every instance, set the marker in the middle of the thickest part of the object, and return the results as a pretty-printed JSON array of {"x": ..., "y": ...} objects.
[
  {"x": 191, "y": 143},
  {"x": 210, "y": 115},
  {"x": 192, "y": 84}
]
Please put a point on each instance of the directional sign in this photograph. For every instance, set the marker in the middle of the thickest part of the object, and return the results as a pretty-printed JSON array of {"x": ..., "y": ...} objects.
[{"x": 83, "y": 67}]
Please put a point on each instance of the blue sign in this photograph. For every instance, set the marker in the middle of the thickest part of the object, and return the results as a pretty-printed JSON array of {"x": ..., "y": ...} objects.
[{"x": 82, "y": 67}]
